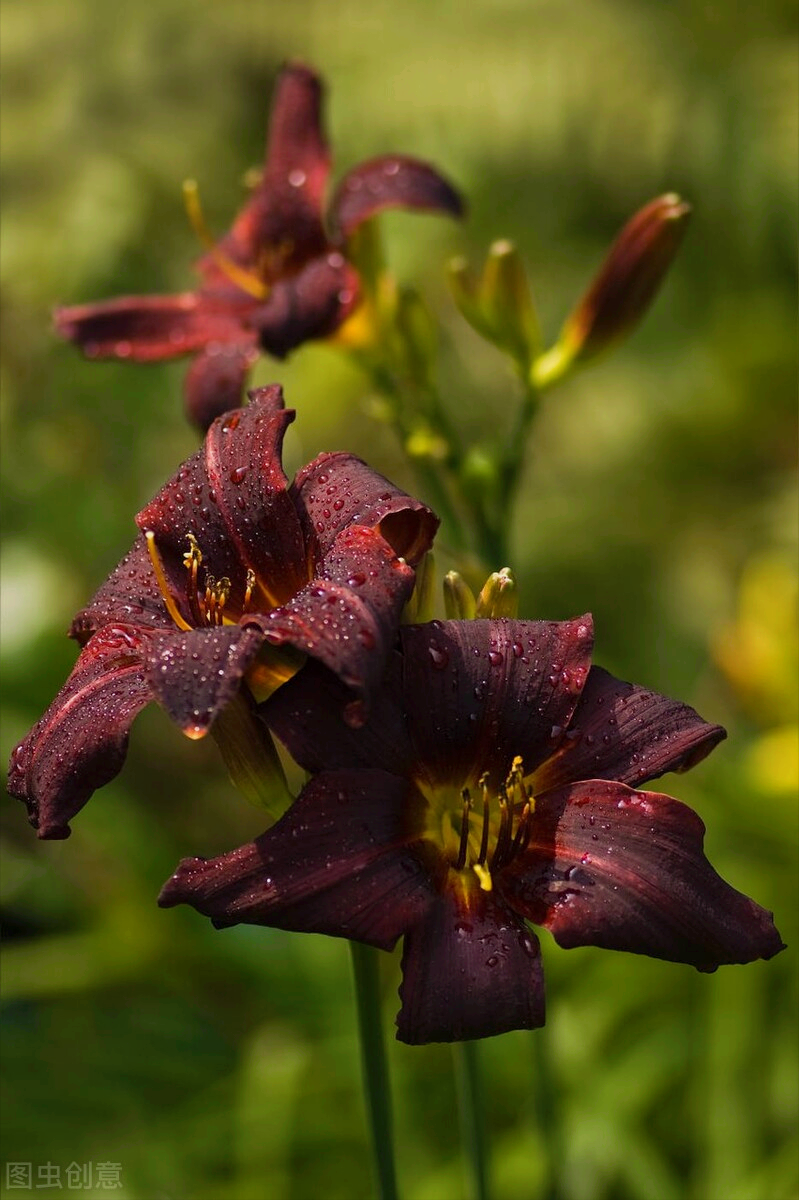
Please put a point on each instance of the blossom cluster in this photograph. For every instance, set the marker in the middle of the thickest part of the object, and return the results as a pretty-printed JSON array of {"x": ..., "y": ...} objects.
[{"x": 467, "y": 777}]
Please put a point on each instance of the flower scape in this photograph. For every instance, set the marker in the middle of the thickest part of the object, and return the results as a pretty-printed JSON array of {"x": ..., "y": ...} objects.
[{"x": 280, "y": 277}]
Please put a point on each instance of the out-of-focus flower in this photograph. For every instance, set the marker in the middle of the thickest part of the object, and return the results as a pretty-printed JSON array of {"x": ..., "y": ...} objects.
[
  {"x": 280, "y": 276},
  {"x": 625, "y": 286},
  {"x": 494, "y": 784},
  {"x": 235, "y": 576},
  {"x": 757, "y": 652}
]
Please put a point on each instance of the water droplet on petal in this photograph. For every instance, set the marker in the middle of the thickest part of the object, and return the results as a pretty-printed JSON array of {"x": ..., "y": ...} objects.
[{"x": 438, "y": 657}]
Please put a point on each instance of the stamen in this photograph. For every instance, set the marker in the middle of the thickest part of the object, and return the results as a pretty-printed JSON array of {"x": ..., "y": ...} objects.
[
  {"x": 248, "y": 590},
  {"x": 464, "y": 845},
  {"x": 161, "y": 580},
  {"x": 503, "y": 837},
  {"x": 242, "y": 278},
  {"x": 207, "y": 602},
  {"x": 192, "y": 560},
  {"x": 221, "y": 596},
  {"x": 484, "y": 839},
  {"x": 523, "y": 832}
]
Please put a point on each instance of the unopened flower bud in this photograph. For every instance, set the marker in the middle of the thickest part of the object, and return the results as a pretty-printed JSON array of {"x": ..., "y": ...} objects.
[
  {"x": 623, "y": 289},
  {"x": 499, "y": 306},
  {"x": 459, "y": 601},
  {"x": 500, "y": 596},
  {"x": 421, "y": 604},
  {"x": 508, "y": 302}
]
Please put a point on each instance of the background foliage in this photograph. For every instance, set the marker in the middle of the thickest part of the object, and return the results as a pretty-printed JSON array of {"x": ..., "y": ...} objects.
[{"x": 659, "y": 493}]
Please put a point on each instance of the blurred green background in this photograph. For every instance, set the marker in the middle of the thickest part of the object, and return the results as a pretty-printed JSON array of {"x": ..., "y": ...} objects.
[{"x": 659, "y": 493}]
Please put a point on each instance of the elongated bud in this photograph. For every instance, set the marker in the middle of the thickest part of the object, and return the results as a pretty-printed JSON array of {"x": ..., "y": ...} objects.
[
  {"x": 459, "y": 601},
  {"x": 465, "y": 293},
  {"x": 500, "y": 596},
  {"x": 499, "y": 306},
  {"x": 250, "y": 756},
  {"x": 508, "y": 303},
  {"x": 422, "y": 602},
  {"x": 623, "y": 289}
]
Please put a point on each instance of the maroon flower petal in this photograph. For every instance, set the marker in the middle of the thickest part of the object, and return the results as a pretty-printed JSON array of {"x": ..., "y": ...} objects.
[
  {"x": 310, "y": 304},
  {"x": 194, "y": 674},
  {"x": 348, "y": 615},
  {"x": 306, "y": 715},
  {"x": 150, "y": 328},
  {"x": 337, "y": 490},
  {"x": 216, "y": 379},
  {"x": 624, "y": 732},
  {"x": 479, "y": 693},
  {"x": 81, "y": 741},
  {"x": 284, "y": 213},
  {"x": 337, "y": 863},
  {"x": 625, "y": 870},
  {"x": 130, "y": 595},
  {"x": 469, "y": 972},
  {"x": 232, "y": 496},
  {"x": 391, "y": 181}
]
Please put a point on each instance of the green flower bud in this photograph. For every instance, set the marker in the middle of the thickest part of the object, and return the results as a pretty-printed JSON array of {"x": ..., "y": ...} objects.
[
  {"x": 459, "y": 601},
  {"x": 500, "y": 596}
]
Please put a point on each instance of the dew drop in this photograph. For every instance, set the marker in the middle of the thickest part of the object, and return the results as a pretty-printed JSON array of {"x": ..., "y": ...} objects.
[
  {"x": 237, "y": 474},
  {"x": 438, "y": 657},
  {"x": 495, "y": 658}
]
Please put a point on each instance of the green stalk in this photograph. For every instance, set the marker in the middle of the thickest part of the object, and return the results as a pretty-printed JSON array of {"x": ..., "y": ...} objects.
[
  {"x": 547, "y": 1114},
  {"x": 374, "y": 1067},
  {"x": 472, "y": 1117}
]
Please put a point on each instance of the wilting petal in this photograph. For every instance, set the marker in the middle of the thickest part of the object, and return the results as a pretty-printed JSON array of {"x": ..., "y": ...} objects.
[
  {"x": 285, "y": 209},
  {"x": 469, "y": 972},
  {"x": 216, "y": 379},
  {"x": 81, "y": 741},
  {"x": 624, "y": 732},
  {"x": 338, "y": 862},
  {"x": 338, "y": 490},
  {"x": 232, "y": 496},
  {"x": 194, "y": 674},
  {"x": 130, "y": 595},
  {"x": 625, "y": 870},
  {"x": 311, "y": 304},
  {"x": 306, "y": 715},
  {"x": 348, "y": 615},
  {"x": 391, "y": 181},
  {"x": 149, "y": 328},
  {"x": 479, "y": 693}
]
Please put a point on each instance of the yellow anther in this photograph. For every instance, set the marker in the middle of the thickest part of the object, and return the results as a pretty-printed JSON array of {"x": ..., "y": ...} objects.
[
  {"x": 191, "y": 561},
  {"x": 161, "y": 580},
  {"x": 221, "y": 596},
  {"x": 484, "y": 876},
  {"x": 244, "y": 279},
  {"x": 248, "y": 589}
]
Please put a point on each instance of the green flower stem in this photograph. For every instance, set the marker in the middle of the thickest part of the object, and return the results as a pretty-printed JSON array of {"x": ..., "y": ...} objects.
[
  {"x": 374, "y": 1065},
  {"x": 547, "y": 1116},
  {"x": 472, "y": 1116}
]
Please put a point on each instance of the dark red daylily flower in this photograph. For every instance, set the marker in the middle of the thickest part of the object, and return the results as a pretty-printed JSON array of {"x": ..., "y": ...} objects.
[
  {"x": 321, "y": 566},
  {"x": 280, "y": 276},
  {"x": 494, "y": 784}
]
